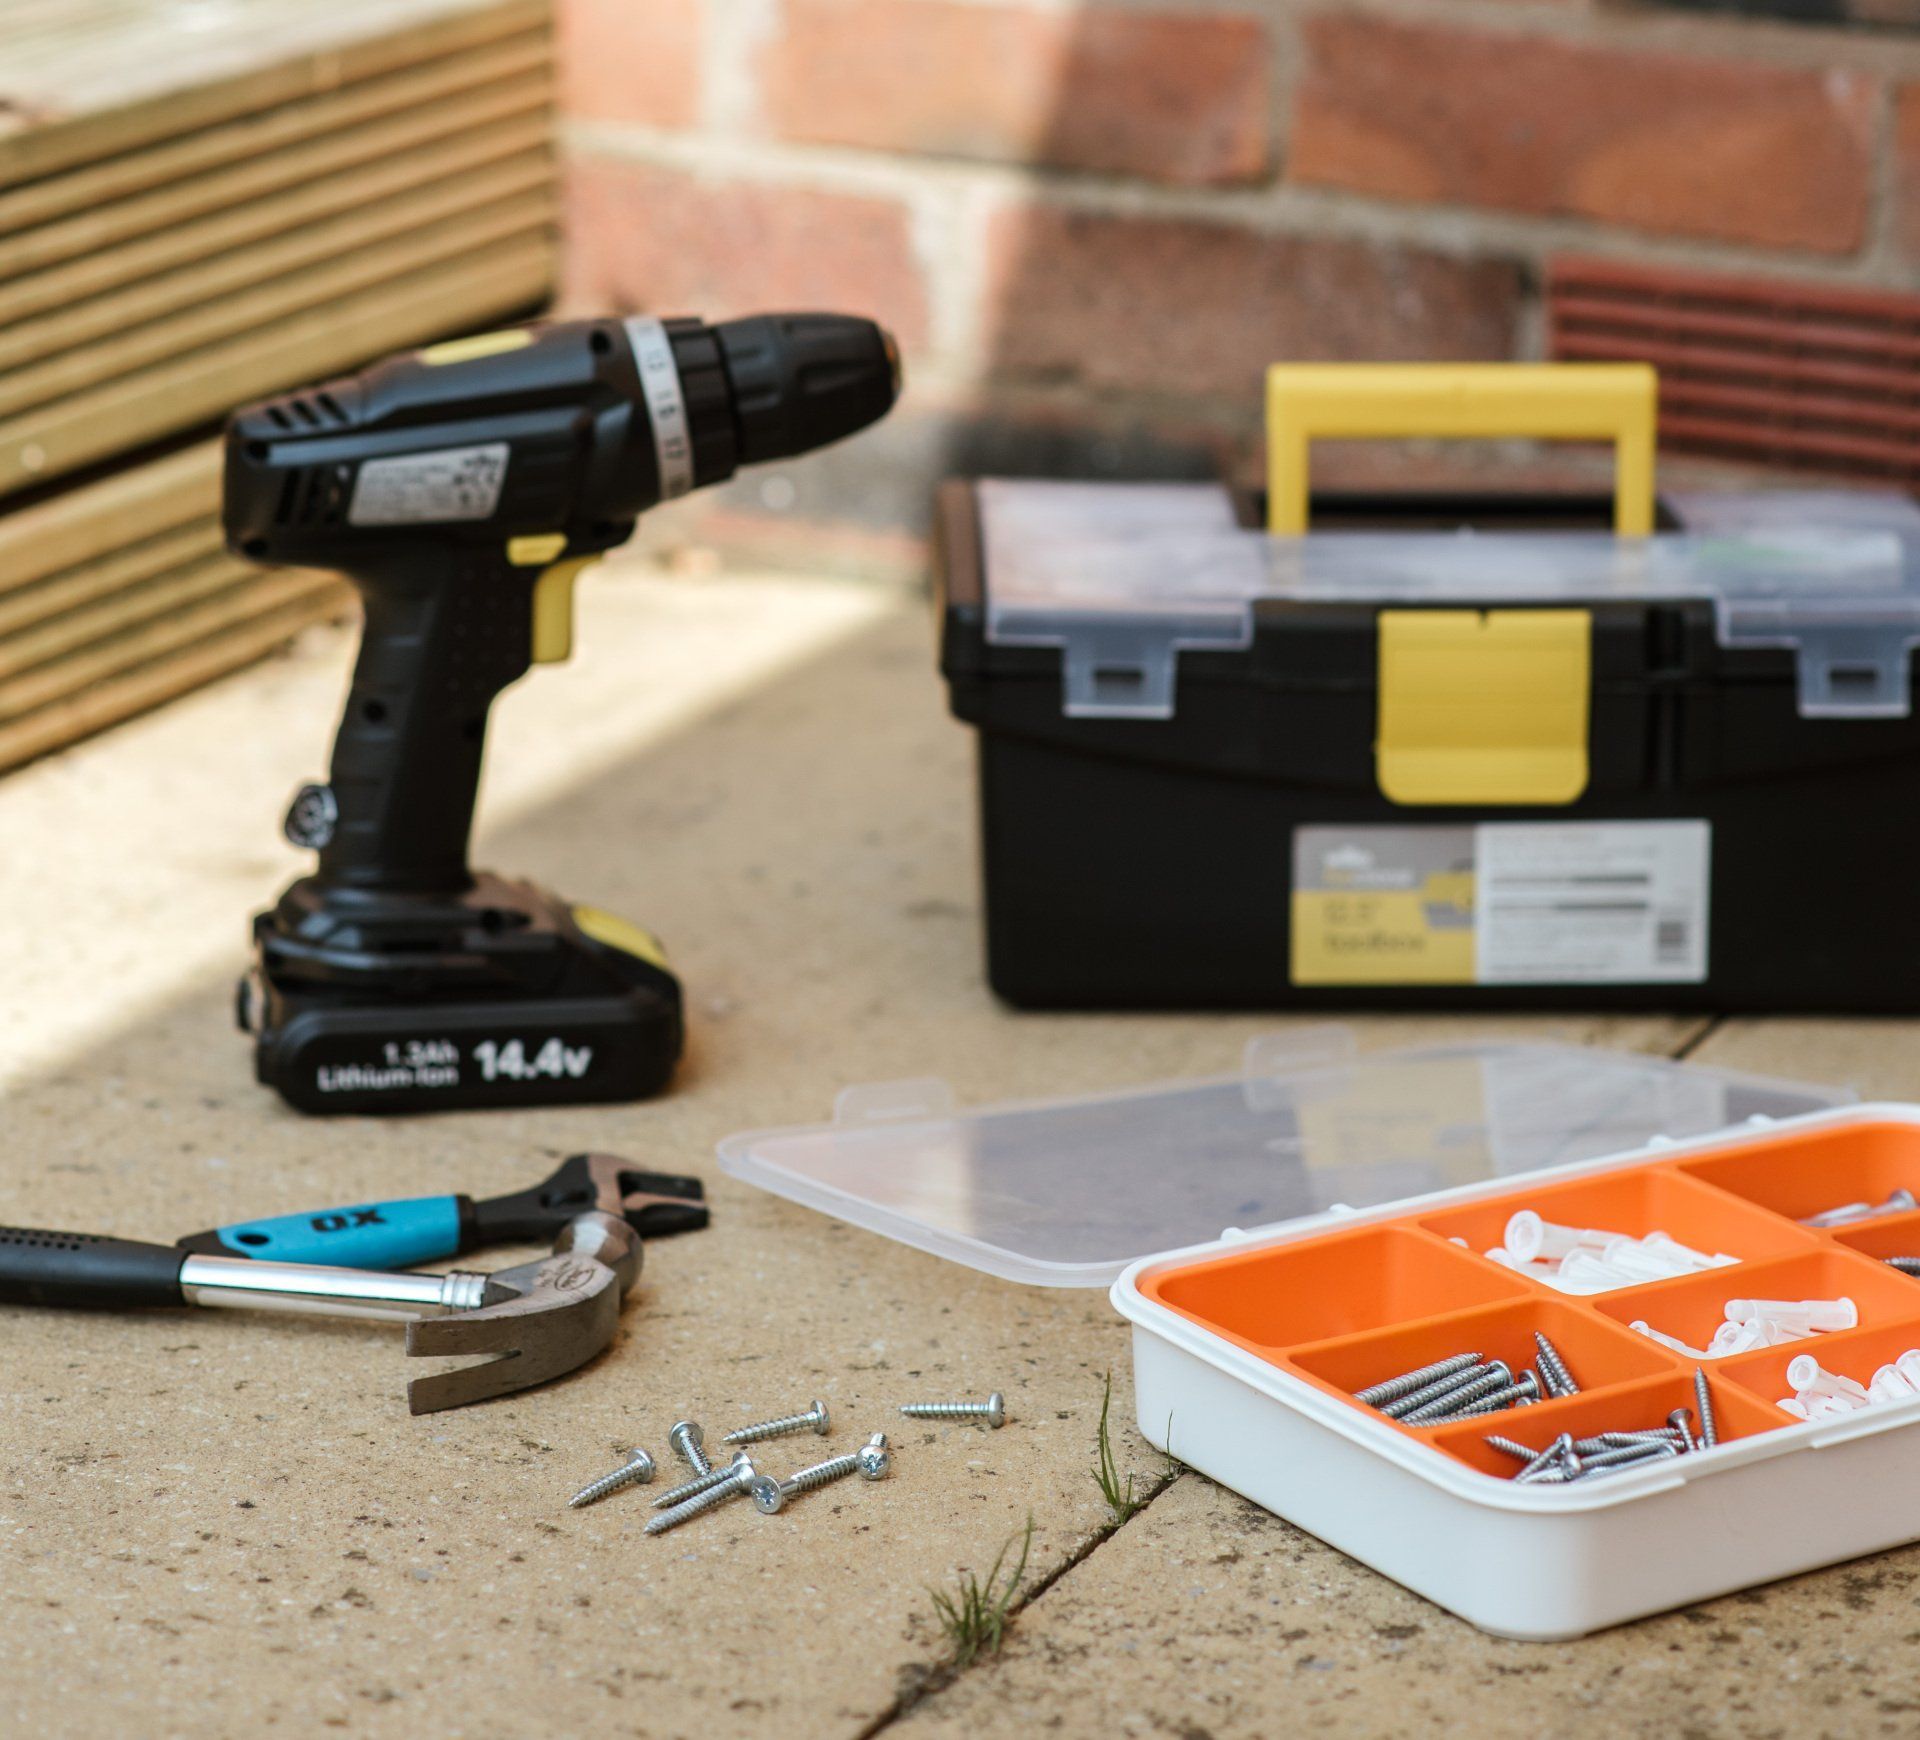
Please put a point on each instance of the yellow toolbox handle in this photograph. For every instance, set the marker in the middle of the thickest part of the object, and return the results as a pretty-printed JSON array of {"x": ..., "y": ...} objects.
[{"x": 1562, "y": 401}]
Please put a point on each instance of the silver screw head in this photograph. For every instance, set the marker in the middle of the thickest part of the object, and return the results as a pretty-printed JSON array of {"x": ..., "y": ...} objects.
[
  {"x": 996, "y": 1411},
  {"x": 684, "y": 1432},
  {"x": 874, "y": 1457},
  {"x": 821, "y": 1424},
  {"x": 768, "y": 1494}
]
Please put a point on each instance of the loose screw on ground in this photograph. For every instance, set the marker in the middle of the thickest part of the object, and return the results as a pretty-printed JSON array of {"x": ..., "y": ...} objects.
[
  {"x": 871, "y": 1462},
  {"x": 686, "y": 1438},
  {"x": 1553, "y": 1369},
  {"x": 1393, "y": 1388},
  {"x": 699, "y": 1483},
  {"x": 738, "y": 1480},
  {"x": 637, "y": 1472},
  {"x": 815, "y": 1418},
  {"x": 993, "y": 1410}
]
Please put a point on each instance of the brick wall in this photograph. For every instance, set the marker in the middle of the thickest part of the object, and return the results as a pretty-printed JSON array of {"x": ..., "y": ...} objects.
[{"x": 1092, "y": 226}]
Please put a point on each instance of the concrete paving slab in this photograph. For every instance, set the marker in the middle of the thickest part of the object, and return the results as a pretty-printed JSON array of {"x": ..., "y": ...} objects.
[{"x": 216, "y": 1524}]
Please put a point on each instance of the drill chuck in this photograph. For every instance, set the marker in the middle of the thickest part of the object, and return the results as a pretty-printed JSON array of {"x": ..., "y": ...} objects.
[{"x": 803, "y": 380}]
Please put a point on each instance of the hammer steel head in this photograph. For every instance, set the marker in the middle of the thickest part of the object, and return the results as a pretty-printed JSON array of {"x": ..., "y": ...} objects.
[{"x": 562, "y": 1311}]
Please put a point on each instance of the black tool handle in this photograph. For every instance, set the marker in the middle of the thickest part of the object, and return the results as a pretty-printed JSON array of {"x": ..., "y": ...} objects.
[
  {"x": 63, "y": 1268},
  {"x": 445, "y": 632}
]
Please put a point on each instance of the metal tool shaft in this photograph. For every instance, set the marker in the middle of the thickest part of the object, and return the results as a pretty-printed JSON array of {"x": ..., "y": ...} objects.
[{"x": 317, "y": 1290}]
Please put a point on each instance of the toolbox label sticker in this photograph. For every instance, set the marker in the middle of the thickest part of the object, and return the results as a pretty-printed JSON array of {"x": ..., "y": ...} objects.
[
  {"x": 1503, "y": 903},
  {"x": 456, "y": 483}
]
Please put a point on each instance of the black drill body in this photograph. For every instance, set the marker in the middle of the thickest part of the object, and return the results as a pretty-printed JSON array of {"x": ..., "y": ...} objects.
[{"x": 461, "y": 488}]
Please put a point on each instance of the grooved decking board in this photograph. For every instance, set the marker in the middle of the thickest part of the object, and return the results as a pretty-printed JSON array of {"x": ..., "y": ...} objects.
[
  {"x": 54, "y": 196},
  {"x": 269, "y": 620},
  {"x": 94, "y": 78},
  {"x": 201, "y": 204},
  {"x": 524, "y": 178},
  {"x": 243, "y": 231},
  {"x": 189, "y": 390}
]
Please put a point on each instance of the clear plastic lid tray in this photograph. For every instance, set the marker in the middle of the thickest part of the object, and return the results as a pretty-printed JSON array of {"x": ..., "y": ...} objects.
[{"x": 1066, "y": 1193}]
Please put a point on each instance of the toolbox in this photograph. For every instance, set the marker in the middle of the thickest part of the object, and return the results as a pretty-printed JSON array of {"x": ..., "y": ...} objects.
[
  {"x": 1318, "y": 1223},
  {"x": 1440, "y": 752}
]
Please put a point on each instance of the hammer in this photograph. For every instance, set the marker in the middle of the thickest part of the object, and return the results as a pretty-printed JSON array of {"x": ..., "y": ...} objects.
[{"x": 534, "y": 1322}]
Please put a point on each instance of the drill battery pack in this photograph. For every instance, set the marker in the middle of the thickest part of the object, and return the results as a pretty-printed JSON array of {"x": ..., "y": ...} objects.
[
  {"x": 504, "y": 997},
  {"x": 1439, "y": 752}
]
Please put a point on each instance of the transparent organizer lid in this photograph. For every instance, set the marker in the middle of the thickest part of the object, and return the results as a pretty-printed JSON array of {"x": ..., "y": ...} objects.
[
  {"x": 1066, "y": 1193},
  {"x": 1124, "y": 577}
]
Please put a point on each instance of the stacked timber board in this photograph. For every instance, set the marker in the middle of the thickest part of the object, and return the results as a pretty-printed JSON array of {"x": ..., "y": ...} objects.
[{"x": 202, "y": 201}]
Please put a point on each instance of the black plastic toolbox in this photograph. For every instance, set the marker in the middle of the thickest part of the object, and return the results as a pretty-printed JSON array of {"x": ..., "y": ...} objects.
[{"x": 1184, "y": 785}]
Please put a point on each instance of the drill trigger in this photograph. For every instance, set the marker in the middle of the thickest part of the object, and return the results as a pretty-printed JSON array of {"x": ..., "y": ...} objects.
[{"x": 553, "y": 610}]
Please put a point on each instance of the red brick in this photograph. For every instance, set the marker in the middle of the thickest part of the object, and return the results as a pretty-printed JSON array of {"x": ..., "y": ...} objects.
[
  {"x": 1906, "y": 140},
  {"x": 1734, "y": 150},
  {"x": 1178, "y": 97},
  {"x": 1200, "y": 309},
  {"x": 640, "y": 236},
  {"x": 631, "y": 60}
]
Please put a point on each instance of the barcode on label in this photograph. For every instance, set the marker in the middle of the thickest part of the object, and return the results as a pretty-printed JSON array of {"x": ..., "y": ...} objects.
[{"x": 1671, "y": 937}]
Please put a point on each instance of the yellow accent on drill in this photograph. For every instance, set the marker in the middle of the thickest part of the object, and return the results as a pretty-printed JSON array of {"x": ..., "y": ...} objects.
[
  {"x": 477, "y": 345},
  {"x": 1561, "y": 401},
  {"x": 1483, "y": 707},
  {"x": 553, "y": 610},
  {"x": 622, "y": 934},
  {"x": 536, "y": 550}
]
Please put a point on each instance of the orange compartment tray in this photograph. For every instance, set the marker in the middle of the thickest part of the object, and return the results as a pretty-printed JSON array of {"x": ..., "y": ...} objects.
[{"x": 1350, "y": 1307}]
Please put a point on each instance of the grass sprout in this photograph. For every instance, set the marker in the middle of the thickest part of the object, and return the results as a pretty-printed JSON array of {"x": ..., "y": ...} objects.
[
  {"x": 976, "y": 1615},
  {"x": 1106, "y": 1471}
]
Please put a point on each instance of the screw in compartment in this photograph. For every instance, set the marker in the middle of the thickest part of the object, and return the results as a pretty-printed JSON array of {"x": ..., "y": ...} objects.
[
  {"x": 1709, "y": 1427},
  {"x": 814, "y": 1419},
  {"x": 1402, "y": 1406},
  {"x": 1509, "y": 1447},
  {"x": 1553, "y": 1369},
  {"x": 1619, "y": 1461},
  {"x": 1558, "y": 1451},
  {"x": 1475, "y": 1389},
  {"x": 1906, "y": 1265},
  {"x": 1527, "y": 1389},
  {"x": 1393, "y": 1388}
]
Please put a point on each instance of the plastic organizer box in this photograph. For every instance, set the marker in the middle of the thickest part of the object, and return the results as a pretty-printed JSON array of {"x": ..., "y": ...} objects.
[{"x": 1248, "y": 1351}]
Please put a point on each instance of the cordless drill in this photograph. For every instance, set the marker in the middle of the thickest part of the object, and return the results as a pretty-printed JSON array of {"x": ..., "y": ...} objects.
[{"x": 461, "y": 489}]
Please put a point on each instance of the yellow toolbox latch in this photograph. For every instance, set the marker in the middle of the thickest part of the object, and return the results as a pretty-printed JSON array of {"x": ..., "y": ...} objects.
[{"x": 1483, "y": 707}]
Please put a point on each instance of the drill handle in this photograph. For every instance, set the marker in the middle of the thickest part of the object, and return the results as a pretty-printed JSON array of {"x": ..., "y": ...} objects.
[{"x": 445, "y": 633}]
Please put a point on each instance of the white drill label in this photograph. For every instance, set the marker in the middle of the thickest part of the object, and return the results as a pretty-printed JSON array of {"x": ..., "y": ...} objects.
[{"x": 456, "y": 483}]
